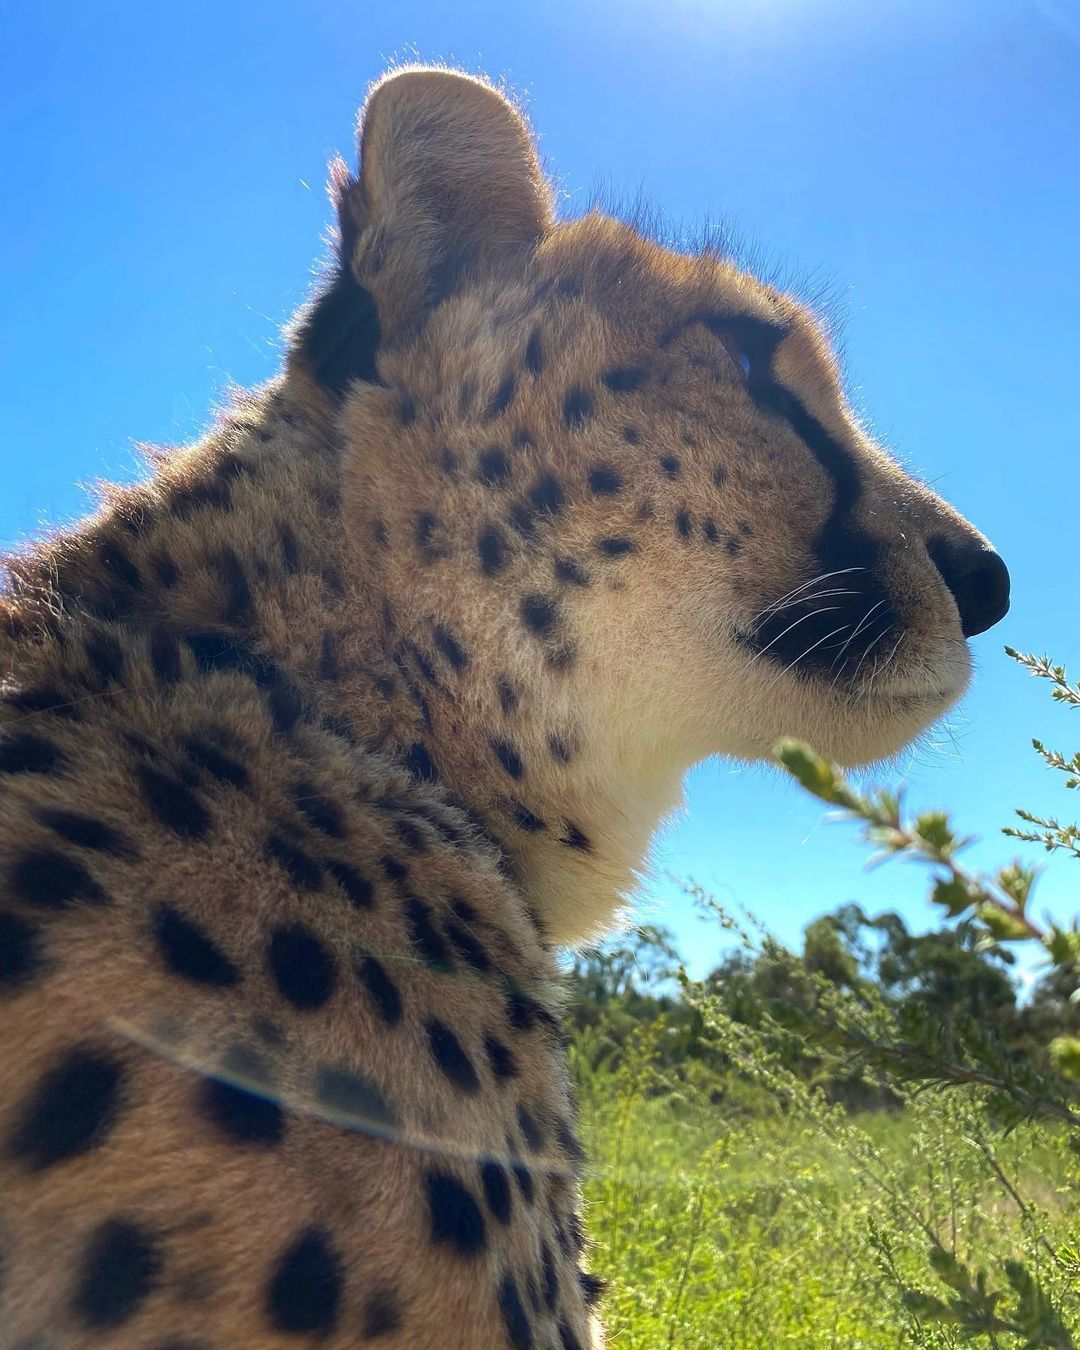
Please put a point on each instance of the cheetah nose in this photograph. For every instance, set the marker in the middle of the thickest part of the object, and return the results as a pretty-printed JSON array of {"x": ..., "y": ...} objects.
[{"x": 978, "y": 579}]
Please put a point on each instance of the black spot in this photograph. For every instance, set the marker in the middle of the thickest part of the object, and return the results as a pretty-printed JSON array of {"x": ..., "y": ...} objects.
[
  {"x": 524, "y": 818},
  {"x": 43, "y": 700},
  {"x": 523, "y": 1177},
  {"x": 188, "y": 951},
  {"x": 21, "y": 953},
  {"x": 87, "y": 832},
  {"x": 733, "y": 544},
  {"x": 426, "y": 525},
  {"x": 491, "y": 546},
  {"x": 301, "y": 966},
  {"x": 425, "y": 937},
  {"x": 290, "y": 552},
  {"x": 509, "y": 758},
  {"x": 381, "y": 1316},
  {"x": 239, "y": 608},
  {"x": 450, "y": 1056},
  {"x": 116, "y": 561},
  {"x": 423, "y": 664},
  {"x": 467, "y": 945},
  {"x": 50, "y": 880},
  {"x": 502, "y": 399},
  {"x": 615, "y": 547},
  {"x": 353, "y": 1101},
  {"x": 381, "y": 988},
  {"x": 523, "y": 517},
  {"x": 71, "y": 1111},
  {"x": 550, "y": 1276},
  {"x": 719, "y": 476},
  {"x": 496, "y": 1186},
  {"x": 339, "y": 334},
  {"x": 187, "y": 498},
  {"x": 520, "y": 1011},
  {"x": 217, "y": 764},
  {"x": 605, "y": 482},
  {"x": 451, "y": 648},
  {"x": 448, "y": 462},
  {"x": 246, "y": 1117},
  {"x": 567, "y": 1339},
  {"x": 166, "y": 571},
  {"x": 534, "y": 353},
  {"x": 119, "y": 1268},
  {"x": 522, "y": 439},
  {"x": 410, "y": 835},
  {"x": 684, "y": 524},
  {"x": 173, "y": 804},
  {"x": 165, "y": 656},
  {"x": 539, "y": 614},
  {"x": 356, "y": 886},
  {"x": 501, "y": 1059},
  {"x": 566, "y": 569},
  {"x": 407, "y": 410},
  {"x": 379, "y": 533},
  {"x": 547, "y": 496},
  {"x": 569, "y": 1143},
  {"x": 592, "y": 1288},
  {"x": 104, "y": 653},
  {"x": 320, "y": 811},
  {"x": 419, "y": 763},
  {"x": 710, "y": 530},
  {"x": 305, "y": 1291},
  {"x": 577, "y": 406},
  {"x": 455, "y": 1216},
  {"x": 304, "y": 872},
  {"x": 24, "y": 752},
  {"x": 493, "y": 467},
  {"x": 530, "y": 1129},
  {"x": 624, "y": 379},
  {"x": 574, "y": 837},
  {"x": 631, "y": 435},
  {"x": 670, "y": 466},
  {"x": 508, "y": 699},
  {"x": 394, "y": 868},
  {"x": 515, "y": 1318},
  {"x": 559, "y": 749}
]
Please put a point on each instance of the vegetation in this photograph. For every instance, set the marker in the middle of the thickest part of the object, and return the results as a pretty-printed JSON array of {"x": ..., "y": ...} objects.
[{"x": 870, "y": 1142}]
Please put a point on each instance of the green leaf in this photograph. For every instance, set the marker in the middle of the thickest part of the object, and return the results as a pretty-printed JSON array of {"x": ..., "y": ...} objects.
[
  {"x": 953, "y": 894},
  {"x": 1065, "y": 1054},
  {"x": 1002, "y": 925}
]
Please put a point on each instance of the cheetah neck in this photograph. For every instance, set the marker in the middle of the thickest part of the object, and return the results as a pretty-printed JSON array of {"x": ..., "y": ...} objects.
[{"x": 239, "y": 540}]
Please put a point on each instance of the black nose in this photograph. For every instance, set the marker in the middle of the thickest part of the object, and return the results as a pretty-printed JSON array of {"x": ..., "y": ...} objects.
[{"x": 978, "y": 579}]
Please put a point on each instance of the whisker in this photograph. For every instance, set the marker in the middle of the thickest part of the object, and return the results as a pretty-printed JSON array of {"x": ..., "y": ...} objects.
[
  {"x": 809, "y": 649},
  {"x": 828, "y": 609}
]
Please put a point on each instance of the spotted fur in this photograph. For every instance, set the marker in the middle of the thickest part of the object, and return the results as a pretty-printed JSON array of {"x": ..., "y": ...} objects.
[{"x": 314, "y": 746}]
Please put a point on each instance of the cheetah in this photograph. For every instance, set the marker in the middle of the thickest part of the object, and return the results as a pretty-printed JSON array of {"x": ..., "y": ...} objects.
[{"x": 317, "y": 744}]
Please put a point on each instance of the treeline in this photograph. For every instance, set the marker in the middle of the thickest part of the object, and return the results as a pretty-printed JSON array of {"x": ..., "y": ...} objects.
[{"x": 949, "y": 994}]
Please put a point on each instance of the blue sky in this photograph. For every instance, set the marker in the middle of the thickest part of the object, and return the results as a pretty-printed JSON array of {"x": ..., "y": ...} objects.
[{"x": 161, "y": 214}]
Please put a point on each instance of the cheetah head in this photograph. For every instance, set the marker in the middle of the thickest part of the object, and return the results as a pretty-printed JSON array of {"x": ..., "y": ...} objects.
[{"x": 613, "y": 487}]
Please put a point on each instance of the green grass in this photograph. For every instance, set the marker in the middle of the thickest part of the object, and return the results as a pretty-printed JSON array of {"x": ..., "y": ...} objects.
[{"x": 720, "y": 1226}]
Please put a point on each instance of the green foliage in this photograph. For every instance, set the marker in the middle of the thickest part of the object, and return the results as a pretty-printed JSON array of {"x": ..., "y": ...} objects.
[{"x": 868, "y": 1143}]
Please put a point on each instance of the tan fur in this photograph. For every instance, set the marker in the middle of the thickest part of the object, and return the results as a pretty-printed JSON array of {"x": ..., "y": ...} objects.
[{"x": 559, "y": 680}]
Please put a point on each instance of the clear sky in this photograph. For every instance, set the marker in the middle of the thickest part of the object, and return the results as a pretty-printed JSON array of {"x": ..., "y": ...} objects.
[{"x": 161, "y": 209}]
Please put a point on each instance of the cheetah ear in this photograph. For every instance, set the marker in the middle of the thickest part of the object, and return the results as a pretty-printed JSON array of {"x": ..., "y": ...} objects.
[{"x": 449, "y": 184}]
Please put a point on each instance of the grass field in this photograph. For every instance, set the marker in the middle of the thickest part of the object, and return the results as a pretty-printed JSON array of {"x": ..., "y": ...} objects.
[{"x": 721, "y": 1221}]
